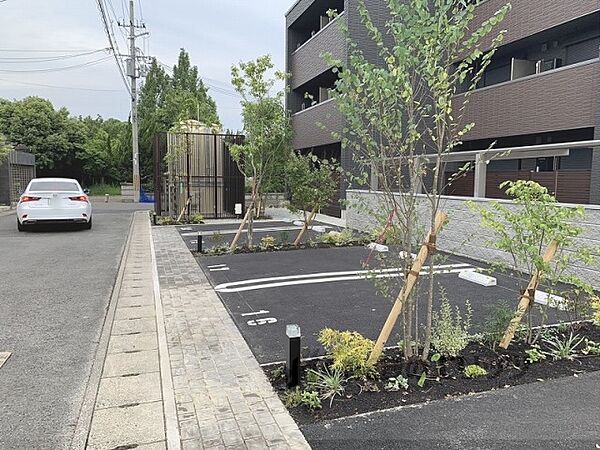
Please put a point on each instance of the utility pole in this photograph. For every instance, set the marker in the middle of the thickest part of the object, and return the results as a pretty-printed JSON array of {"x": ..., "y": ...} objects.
[
  {"x": 133, "y": 73},
  {"x": 134, "y": 104}
]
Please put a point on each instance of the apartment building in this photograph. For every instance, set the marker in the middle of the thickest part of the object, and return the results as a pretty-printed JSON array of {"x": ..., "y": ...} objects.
[{"x": 543, "y": 87}]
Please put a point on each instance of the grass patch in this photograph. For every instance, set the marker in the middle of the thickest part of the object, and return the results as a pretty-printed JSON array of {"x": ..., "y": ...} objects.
[{"x": 103, "y": 189}]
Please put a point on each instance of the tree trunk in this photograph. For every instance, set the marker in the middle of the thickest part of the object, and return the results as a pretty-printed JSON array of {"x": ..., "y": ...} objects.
[{"x": 307, "y": 223}]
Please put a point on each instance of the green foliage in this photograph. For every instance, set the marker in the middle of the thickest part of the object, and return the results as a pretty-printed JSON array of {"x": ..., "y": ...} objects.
[
  {"x": 329, "y": 383},
  {"x": 534, "y": 354},
  {"x": 339, "y": 238},
  {"x": 422, "y": 379},
  {"x": 297, "y": 397},
  {"x": 312, "y": 182},
  {"x": 196, "y": 218},
  {"x": 495, "y": 324},
  {"x": 266, "y": 123},
  {"x": 4, "y": 148},
  {"x": 284, "y": 237},
  {"x": 396, "y": 383},
  {"x": 311, "y": 399},
  {"x": 218, "y": 239},
  {"x": 278, "y": 373},
  {"x": 167, "y": 220},
  {"x": 88, "y": 149},
  {"x": 267, "y": 243},
  {"x": 595, "y": 305},
  {"x": 450, "y": 333},
  {"x": 103, "y": 189},
  {"x": 474, "y": 371},
  {"x": 591, "y": 348},
  {"x": 563, "y": 347},
  {"x": 349, "y": 350}
]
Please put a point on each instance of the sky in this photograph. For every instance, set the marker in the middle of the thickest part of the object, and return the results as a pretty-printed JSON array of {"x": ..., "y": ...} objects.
[{"x": 35, "y": 35}]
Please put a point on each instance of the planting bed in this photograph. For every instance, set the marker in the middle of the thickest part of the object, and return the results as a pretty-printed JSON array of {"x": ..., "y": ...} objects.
[{"x": 445, "y": 378}]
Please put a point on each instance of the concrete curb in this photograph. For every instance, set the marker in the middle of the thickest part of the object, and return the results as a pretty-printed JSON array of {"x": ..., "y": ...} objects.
[
  {"x": 168, "y": 391},
  {"x": 84, "y": 421}
]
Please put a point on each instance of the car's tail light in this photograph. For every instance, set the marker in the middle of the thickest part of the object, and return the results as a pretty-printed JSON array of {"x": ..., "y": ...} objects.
[
  {"x": 81, "y": 198},
  {"x": 27, "y": 198}
]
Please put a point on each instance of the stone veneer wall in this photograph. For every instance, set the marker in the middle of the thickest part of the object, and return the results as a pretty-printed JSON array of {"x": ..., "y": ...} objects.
[{"x": 463, "y": 234}]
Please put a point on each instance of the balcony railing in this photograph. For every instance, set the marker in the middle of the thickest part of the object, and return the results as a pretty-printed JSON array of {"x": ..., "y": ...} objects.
[
  {"x": 315, "y": 126},
  {"x": 559, "y": 99},
  {"x": 306, "y": 62}
]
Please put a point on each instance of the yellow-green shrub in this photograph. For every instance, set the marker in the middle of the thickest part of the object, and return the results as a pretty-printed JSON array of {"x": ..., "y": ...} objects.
[
  {"x": 595, "y": 304},
  {"x": 349, "y": 351}
]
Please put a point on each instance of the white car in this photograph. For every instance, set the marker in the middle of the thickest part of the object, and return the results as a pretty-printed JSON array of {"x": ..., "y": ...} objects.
[{"x": 53, "y": 201}]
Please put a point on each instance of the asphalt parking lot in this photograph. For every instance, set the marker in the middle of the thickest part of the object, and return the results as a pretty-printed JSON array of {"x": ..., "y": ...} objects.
[{"x": 318, "y": 288}]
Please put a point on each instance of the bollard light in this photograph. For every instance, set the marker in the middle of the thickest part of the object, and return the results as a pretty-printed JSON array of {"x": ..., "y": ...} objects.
[
  {"x": 106, "y": 198},
  {"x": 292, "y": 366},
  {"x": 199, "y": 243},
  {"x": 154, "y": 218}
]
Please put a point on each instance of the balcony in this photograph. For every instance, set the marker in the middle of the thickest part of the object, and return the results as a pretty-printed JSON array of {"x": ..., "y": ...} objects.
[
  {"x": 305, "y": 62},
  {"x": 528, "y": 17},
  {"x": 560, "y": 99},
  {"x": 308, "y": 125}
]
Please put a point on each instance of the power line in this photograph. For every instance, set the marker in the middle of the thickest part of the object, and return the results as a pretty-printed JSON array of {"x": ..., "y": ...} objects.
[
  {"x": 40, "y": 59},
  {"x": 111, "y": 42},
  {"x": 45, "y": 50},
  {"x": 58, "y": 69},
  {"x": 71, "y": 88}
]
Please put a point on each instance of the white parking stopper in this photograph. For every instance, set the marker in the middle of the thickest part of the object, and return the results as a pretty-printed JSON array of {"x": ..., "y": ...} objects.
[
  {"x": 319, "y": 229},
  {"x": 477, "y": 278},
  {"x": 298, "y": 223},
  {"x": 378, "y": 247},
  {"x": 551, "y": 300}
]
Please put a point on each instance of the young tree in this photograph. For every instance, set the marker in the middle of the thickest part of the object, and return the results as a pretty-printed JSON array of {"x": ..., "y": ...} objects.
[
  {"x": 266, "y": 126},
  {"x": 403, "y": 115},
  {"x": 312, "y": 184}
]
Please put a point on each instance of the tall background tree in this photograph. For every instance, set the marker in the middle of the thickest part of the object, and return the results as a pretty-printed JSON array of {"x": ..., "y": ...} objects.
[{"x": 166, "y": 100}]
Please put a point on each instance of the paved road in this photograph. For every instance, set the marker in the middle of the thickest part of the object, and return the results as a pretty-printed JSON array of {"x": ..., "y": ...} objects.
[
  {"x": 559, "y": 414},
  {"x": 54, "y": 291}
]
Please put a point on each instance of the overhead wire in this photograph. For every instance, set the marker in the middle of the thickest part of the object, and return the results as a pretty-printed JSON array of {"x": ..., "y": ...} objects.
[
  {"x": 58, "y": 69},
  {"x": 113, "y": 45},
  {"x": 41, "y": 59},
  {"x": 72, "y": 88}
]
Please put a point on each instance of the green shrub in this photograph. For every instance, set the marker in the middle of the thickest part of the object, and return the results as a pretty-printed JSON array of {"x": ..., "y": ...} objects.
[
  {"x": 563, "y": 348},
  {"x": 338, "y": 238},
  {"x": 284, "y": 237},
  {"x": 328, "y": 383},
  {"x": 196, "y": 218},
  {"x": 475, "y": 371},
  {"x": 394, "y": 384},
  {"x": 168, "y": 220},
  {"x": 450, "y": 335},
  {"x": 311, "y": 399},
  {"x": 293, "y": 398},
  {"x": 534, "y": 354},
  {"x": 495, "y": 324},
  {"x": 349, "y": 351},
  {"x": 103, "y": 189},
  {"x": 267, "y": 243},
  {"x": 595, "y": 305},
  {"x": 591, "y": 348}
]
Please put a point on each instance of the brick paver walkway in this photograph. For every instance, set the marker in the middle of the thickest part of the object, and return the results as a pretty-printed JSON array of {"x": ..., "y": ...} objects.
[{"x": 223, "y": 398}]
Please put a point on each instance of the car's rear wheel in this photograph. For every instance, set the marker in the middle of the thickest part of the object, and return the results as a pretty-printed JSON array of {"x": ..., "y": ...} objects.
[
  {"x": 20, "y": 227},
  {"x": 88, "y": 226}
]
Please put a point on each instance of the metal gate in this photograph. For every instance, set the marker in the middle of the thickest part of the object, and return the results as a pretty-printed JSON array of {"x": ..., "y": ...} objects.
[{"x": 198, "y": 167}]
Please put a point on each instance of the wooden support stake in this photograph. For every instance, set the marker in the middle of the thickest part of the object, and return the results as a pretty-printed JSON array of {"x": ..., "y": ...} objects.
[
  {"x": 411, "y": 280},
  {"x": 311, "y": 217},
  {"x": 240, "y": 229},
  {"x": 187, "y": 203},
  {"x": 4, "y": 357},
  {"x": 526, "y": 299}
]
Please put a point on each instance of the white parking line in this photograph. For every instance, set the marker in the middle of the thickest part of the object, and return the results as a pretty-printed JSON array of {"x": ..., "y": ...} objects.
[
  {"x": 330, "y": 277},
  {"x": 256, "y": 230},
  {"x": 220, "y": 269},
  {"x": 215, "y": 266}
]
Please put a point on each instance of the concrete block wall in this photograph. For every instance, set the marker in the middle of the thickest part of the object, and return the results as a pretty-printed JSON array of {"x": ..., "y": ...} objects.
[{"x": 463, "y": 234}]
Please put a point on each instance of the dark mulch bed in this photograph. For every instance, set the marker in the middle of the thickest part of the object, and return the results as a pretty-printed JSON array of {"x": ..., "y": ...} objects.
[
  {"x": 280, "y": 248},
  {"x": 445, "y": 378}
]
